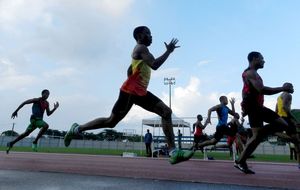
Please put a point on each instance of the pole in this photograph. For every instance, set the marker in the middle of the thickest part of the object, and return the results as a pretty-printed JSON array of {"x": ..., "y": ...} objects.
[
  {"x": 12, "y": 129},
  {"x": 169, "y": 81},
  {"x": 170, "y": 95}
]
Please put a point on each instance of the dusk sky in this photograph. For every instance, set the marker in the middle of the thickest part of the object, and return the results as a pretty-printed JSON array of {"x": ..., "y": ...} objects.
[{"x": 80, "y": 51}]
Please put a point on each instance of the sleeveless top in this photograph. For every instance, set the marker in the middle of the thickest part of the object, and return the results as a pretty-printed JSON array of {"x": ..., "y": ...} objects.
[
  {"x": 38, "y": 109},
  {"x": 251, "y": 97},
  {"x": 138, "y": 81},
  {"x": 281, "y": 111},
  {"x": 222, "y": 115},
  {"x": 198, "y": 130}
]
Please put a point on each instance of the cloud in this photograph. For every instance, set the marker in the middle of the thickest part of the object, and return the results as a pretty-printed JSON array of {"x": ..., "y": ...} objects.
[
  {"x": 62, "y": 32},
  {"x": 10, "y": 78},
  {"x": 167, "y": 72},
  {"x": 62, "y": 72},
  {"x": 113, "y": 8},
  {"x": 203, "y": 62}
]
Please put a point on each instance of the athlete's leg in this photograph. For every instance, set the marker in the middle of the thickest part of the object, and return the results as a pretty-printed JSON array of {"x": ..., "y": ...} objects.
[
  {"x": 102, "y": 122},
  {"x": 251, "y": 144},
  {"x": 258, "y": 134},
  {"x": 120, "y": 109},
  {"x": 152, "y": 103},
  {"x": 166, "y": 119},
  {"x": 44, "y": 127},
  {"x": 296, "y": 141},
  {"x": 20, "y": 137},
  {"x": 220, "y": 130},
  {"x": 208, "y": 142},
  {"x": 23, "y": 135}
]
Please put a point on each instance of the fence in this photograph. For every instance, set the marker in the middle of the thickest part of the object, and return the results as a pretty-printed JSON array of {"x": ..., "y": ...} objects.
[{"x": 263, "y": 148}]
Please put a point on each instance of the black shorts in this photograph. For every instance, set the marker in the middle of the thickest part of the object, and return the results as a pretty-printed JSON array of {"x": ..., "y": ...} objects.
[
  {"x": 223, "y": 130},
  {"x": 125, "y": 102},
  {"x": 258, "y": 115},
  {"x": 199, "y": 138}
]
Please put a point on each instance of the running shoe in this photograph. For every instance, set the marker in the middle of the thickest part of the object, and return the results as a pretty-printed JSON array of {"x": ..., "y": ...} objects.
[
  {"x": 243, "y": 167},
  {"x": 8, "y": 147},
  {"x": 180, "y": 156},
  {"x": 34, "y": 147},
  {"x": 70, "y": 134}
]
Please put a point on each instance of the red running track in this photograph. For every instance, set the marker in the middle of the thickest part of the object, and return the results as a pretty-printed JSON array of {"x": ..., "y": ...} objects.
[{"x": 276, "y": 175}]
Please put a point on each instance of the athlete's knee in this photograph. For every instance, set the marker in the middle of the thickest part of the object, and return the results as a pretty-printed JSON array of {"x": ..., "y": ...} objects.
[
  {"x": 113, "y": 120},
  {"x": 167, "y": 112},
  {"x": 46, "y": 126},
  {"x": 213, "y": 141},
  {"x": 26, "y": 133}
]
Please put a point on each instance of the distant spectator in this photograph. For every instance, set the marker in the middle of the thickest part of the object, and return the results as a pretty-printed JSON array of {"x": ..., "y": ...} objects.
[
  {"x": 293, "y": 153},
  {"x": 179, "y": 138},
  {"x": 148, "y": 142}
]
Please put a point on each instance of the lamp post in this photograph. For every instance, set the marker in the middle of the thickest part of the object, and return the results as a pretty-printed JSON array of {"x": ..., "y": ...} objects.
[{"x": 169, "y": 81}]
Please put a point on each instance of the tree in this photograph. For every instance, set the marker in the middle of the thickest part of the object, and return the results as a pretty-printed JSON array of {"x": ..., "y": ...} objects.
[
  {"x": 9, "y": 133},
  {"x": 110, "y": 135}
]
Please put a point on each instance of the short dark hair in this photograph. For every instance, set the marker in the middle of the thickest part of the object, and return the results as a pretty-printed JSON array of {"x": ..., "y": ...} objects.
[
  {"x": 252, "y": 55},
  {"x": 199, "y": 117},
  {"x": 222, "y": 98},
  {"x": 138, "y": 30},
  {"x": 44, "y": 91}
]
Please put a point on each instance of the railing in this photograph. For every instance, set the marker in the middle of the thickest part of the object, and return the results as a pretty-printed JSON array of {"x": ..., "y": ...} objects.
[{"x": 263, "y": 148}]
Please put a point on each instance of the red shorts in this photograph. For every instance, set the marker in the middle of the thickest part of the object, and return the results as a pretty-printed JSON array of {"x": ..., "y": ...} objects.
[{"x": 230, "y": 140}]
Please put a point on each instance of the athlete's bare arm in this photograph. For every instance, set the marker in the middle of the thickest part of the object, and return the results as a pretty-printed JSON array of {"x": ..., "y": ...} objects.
[
  {"x": 214, "y": 108},
  {"x": 142, "y": 52},
  {"x": 49, "y": 112},
  {"x": 30, "y": 101},
  {"x": 252, "y": 77},
  {"x": 232, "y": 111}
]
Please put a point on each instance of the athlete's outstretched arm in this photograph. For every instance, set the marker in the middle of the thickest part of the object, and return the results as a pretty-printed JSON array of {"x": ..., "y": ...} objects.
[
  {"x": 232, "y": 111},
  {"x": 252, "y": 77},
  {"x": 49, "y": 112},
  {"x": 156, "y": 63},
  {"x": 214, "y": 108},
  {"x": 30, "y": 101}
]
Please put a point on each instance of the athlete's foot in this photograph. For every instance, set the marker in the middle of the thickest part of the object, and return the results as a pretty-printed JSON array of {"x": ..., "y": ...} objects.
[
  {"x": 180, "y": 156},
  {"x": 34, "y": 147},
  {"x": 8, "y": 147},
  {"x": 71, "y": 134},
  {"x": 243, "y": 167}
]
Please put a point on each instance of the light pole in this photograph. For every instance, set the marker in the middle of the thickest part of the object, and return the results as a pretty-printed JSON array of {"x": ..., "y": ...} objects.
[{"x": 169, "y": 81}]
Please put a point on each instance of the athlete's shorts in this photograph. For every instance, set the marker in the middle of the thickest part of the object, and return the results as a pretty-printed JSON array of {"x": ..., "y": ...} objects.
[
  {"x": 230, "y": 140},
  {"x": 36, "y": 123},
  {"x": 258, "y": 115},
  {"x": 126, "y": 100},
  {"x": 223, "y": 130},
  {"x": 199, "y": 138}
]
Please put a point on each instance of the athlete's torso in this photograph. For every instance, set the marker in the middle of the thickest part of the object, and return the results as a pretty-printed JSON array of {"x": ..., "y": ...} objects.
[
  {"x": 198, "y": 130},
  {"x": 38, "y": 108},
  {"x": 138, "y": 81},
  {"x": 251, "y": 97},
  {"x": 222, "y": 115}
]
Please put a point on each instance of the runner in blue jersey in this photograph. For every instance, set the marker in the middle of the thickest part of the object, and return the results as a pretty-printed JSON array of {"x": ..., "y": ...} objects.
[
  {"x": 39, "y": 106},
  {"x": 222, "y": 126}
]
